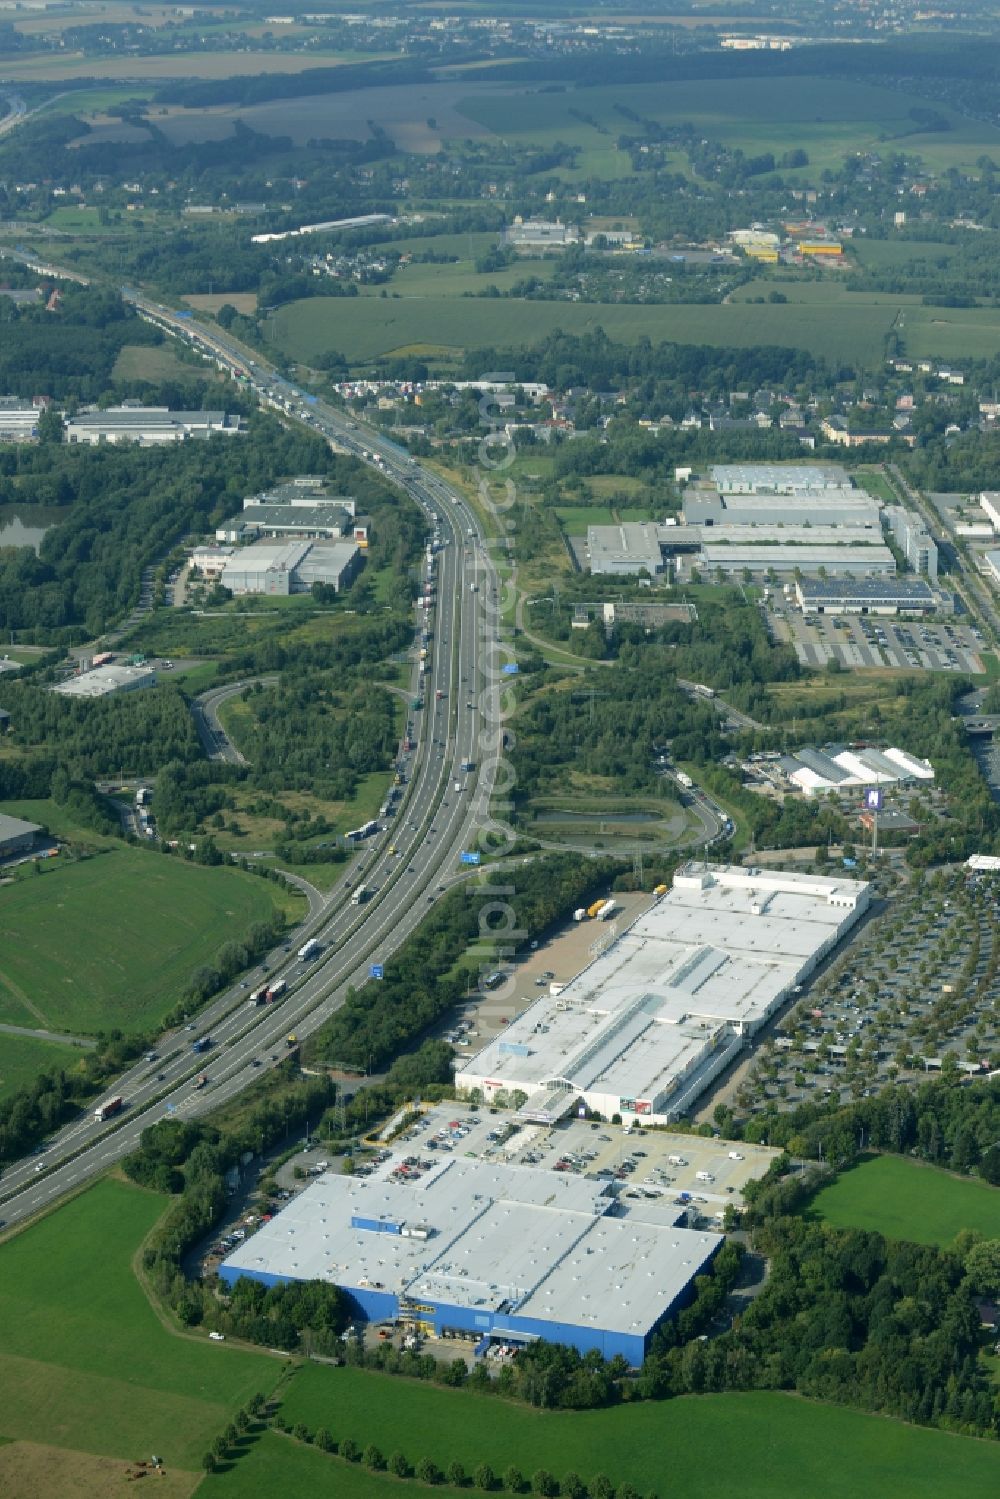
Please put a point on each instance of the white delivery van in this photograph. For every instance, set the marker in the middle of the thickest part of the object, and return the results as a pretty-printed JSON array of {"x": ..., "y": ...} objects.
[
  {"x": 676, "y": 1160},
  {"x": 704, "y": 1176}
]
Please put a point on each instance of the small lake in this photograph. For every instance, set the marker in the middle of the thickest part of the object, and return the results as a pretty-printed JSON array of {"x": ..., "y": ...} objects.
[{"x": 27, "y": 524}]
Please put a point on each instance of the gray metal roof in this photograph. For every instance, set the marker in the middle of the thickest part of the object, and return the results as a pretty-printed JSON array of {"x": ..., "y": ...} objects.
[{"x": 15, "y": 827}]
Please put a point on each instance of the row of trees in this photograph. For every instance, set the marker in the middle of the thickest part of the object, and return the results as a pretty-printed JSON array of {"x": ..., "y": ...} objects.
[{"x": 427, "y": 977}]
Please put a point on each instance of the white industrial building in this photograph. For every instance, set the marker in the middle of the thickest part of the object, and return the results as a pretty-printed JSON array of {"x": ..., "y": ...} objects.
[
  {"x": 702, "y": 505},
  {"x": 874, "y": 560},
  {"x": 540, "y": 234},
  {"x": 102, "y": 680},
  {"x": 870, "y": 596},
  {"x": 627, "y": 549},
  {"x": 279, "y": 568},
  {"x": 991, "y": 563},
  {"x": 816, "y": 772},
  {"x": 913, "y": 539},
  {"x": 149, "y": 425},
  {"x": 488, "y": 1250},
  {"x": 651, "y": 1021},
  {"x": 18, "y": 419},
  {"x": 779, "y": 478},
  {"x": 989, "y": 503}
]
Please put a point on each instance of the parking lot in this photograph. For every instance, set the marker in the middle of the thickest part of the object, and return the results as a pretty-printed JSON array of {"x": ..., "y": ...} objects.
[
  {"x": 868, "y": 640},
  {"x": 914, "y": 986},
  {"x": 701, "y": 1174}
]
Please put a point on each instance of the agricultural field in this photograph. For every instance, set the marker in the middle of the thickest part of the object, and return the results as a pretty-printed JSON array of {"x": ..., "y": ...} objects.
[
  {"x": 156, "y": 362},
  {"x": 133, "y": 926},
  {"x": 364, "y": 328},
  {"x": 274, "y": 1463},
  {"x": 22, "y": 1058},
  {"x": 828, "y": 118},
  {"x": 60, "y": 823},
  {"x": 85, "y": 1362},
  {"x": 779, "y": 1445},
  {"x": 906, "y": 1200},
  {"x": 60, "y": 67}
]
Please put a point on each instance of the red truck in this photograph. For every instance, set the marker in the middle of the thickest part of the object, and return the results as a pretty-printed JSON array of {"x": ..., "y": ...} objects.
[{"x": 109, "y": 1109}]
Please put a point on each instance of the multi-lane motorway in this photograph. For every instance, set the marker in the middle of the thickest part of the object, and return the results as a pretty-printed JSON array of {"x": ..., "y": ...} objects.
[{"x": 405, "y": 869}]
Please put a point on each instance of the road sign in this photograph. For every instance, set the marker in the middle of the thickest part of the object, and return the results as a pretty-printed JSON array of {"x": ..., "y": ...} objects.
[
  {"x": 873, "y": 799},
  {"x": 510, "y": 670},
  {"x": 377, "y": 971},
  {"x": 469, "y": 858}
]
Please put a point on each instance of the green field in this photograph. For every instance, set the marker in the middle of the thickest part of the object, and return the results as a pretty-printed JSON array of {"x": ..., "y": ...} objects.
[
  {"x": 155, "y": 362},
  {"x": 905, "y": 1200},
  {"x": 84, "y": 1361},
  {"x": 575, "y": 519},
  {"x": 761, "y": 1446},
  {"x": 827, "y": 117},
  {"x": 112, "y": 941},
  {"x": 22, "y": 1058},
  {"x": 363, "y": 328},
  {"x": 59, "y": 823},
  {"x": 278, "y": 1464}
]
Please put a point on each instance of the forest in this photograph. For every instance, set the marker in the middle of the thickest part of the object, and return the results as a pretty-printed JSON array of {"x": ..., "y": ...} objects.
[
  {"x": 66, "y": 354},
  {"x": 125, "y": 508}
]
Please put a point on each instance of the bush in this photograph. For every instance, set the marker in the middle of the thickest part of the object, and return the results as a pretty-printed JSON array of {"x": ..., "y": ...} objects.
[
  {"x": 372, "y": 1458},
  {"x": 513, "y": 1480},
  {"x": 485, "y": 1478},
  {"x": 428, "y": 1471},
  {"x": 399, "y": 1465},
  {"x": 543, "y": 1482}
]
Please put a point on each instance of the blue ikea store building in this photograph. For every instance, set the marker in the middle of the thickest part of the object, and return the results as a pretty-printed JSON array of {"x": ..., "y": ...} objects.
[{"x": 487, "y": 1251}]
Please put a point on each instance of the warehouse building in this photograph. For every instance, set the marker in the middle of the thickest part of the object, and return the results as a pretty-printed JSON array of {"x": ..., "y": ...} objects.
[
  {"x": 913, "y": 539},
  {"x": 816, "y": 772},
  {"x": 627, "y": 549},
  {"x": 647, "y": 1025},
  {"x": 778, "y": 478},
  {"x": 870, "y": 596},
  {"x": 483, "y": 1250},
  {"x": 149, "y": 425},
  {"x": 17, "y": 836},
  {"x": 280, "y": 568},
  {"x": 302, "y": 506},
  {"x": 534, "y": 235},
  {"x": 703, "y": 505},
  {"x": 18, "y": 419},
  {"x": 873, "y": 560},
  {"x": 102, "y": 680}
]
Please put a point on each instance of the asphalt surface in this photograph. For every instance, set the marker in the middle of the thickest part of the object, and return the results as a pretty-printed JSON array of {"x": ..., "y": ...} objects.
[{"x": 435, "y": 824}]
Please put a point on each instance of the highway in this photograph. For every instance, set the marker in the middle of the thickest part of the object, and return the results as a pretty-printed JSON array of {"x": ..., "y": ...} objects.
[{"x": 443, "y": 808}]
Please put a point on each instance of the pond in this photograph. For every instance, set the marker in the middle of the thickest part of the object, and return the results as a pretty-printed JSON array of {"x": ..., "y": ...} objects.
[{"x": 27, "y": 524}]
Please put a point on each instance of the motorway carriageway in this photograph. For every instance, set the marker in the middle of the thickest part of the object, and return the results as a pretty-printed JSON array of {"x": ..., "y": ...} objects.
[{"x": 464, "y": 725}]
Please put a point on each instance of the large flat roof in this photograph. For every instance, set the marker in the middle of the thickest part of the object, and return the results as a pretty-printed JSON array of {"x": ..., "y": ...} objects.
[
  {"x": 501, "y": 1238},
  {"x": 718, "y": 951},
  {"x": 632, "y": 543},
  {"x": 870, "y": 590},
  {"x": 780, "y": 478}
]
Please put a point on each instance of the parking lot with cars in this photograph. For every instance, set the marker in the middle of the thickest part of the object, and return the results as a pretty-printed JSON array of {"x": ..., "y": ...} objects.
[
  {"x": 914, "y": 993},
  {"x": 876, "y": 640},
  {"x": 701, "y": 1174}
]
